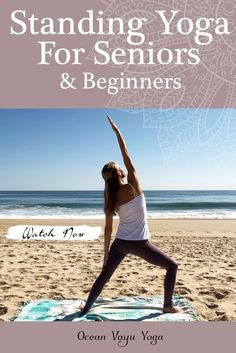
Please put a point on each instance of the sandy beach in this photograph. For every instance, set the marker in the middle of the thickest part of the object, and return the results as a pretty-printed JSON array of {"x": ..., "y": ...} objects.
[{"x": 204, "y": 250}]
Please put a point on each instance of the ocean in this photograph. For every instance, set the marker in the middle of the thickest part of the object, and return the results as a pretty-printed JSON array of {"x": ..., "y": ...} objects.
[{"x": 89, "y": 204}]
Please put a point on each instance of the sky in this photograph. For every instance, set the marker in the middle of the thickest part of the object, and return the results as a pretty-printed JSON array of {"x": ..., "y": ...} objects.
[{"x": 65, "y": 149}]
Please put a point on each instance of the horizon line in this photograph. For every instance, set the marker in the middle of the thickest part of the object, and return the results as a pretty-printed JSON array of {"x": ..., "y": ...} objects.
[{"x": 75, "y": 190}]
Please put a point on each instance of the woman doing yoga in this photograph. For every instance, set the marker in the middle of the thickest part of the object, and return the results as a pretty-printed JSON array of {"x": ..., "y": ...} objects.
[{"x": 132, "y": 237}]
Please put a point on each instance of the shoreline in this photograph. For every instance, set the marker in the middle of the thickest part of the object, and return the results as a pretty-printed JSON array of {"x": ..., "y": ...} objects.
[
  {"x": 116, "y": 218},
  {"x": 203, "y": 249},
  {"x": 184, "y": 227}
]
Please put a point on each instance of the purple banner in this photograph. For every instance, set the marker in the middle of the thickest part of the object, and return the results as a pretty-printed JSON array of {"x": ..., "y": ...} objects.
[{"x": 120, "y": 54}]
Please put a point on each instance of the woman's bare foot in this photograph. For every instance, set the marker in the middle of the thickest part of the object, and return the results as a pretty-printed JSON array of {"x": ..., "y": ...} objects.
[
  {"x": 81, "y": 307},
  {"x": 172, "y": 310},
  {"x": 83, "y": 311}
]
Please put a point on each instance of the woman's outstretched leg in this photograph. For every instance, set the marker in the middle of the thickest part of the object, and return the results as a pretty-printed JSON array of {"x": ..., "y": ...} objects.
[
  {"x": 113, "y": 261},
  {"x": 169, "y": 284},
  {"x": 150, "y": 253},
  {"x": 155, "y": 256}
]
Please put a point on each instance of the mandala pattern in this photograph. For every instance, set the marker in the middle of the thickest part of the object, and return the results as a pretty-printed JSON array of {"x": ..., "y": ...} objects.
[
  {"x": 179, "y": 130},
  {"x": 210, "y": 84}
]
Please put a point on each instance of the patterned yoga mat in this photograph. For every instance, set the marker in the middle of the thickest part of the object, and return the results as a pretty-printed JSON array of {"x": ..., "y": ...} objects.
[{"x": 105, "y": 309}]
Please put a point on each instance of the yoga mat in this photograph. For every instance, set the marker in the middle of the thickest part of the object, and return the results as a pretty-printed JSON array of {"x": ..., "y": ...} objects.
[{"x": 105, "y": 309}]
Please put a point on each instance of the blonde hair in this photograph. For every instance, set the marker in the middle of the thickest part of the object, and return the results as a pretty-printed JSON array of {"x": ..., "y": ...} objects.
[{"x": 112, "y": 186}]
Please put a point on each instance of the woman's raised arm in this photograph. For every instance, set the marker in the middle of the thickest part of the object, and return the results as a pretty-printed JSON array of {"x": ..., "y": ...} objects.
[{"x": 132, "y": 175}]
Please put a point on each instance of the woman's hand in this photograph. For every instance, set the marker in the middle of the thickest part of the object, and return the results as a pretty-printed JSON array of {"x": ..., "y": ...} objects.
[{"x": 113, "y": 125}]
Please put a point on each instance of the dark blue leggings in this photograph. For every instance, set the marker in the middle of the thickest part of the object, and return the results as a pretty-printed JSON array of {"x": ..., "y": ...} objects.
[{"x": 144, "y": 249}]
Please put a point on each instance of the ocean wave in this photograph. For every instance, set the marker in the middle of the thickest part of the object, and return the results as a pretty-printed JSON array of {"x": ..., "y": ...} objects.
[
  {"x": 89, "y": 204},
  {"x": 42, "y": 213},
  {"x": 166, "y": 206},
  {"x": 192, "y": 206}
]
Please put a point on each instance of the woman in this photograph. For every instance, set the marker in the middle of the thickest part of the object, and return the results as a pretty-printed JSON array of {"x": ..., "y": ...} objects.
[{"x": 127, "y": 199}]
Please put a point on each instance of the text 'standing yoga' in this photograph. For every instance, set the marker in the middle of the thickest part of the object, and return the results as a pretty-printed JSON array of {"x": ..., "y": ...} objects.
[{"x": 169, "y": 24}]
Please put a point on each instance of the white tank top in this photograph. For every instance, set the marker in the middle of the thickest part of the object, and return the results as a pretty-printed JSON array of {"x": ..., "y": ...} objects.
[{"x": 133, "y": 219}]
